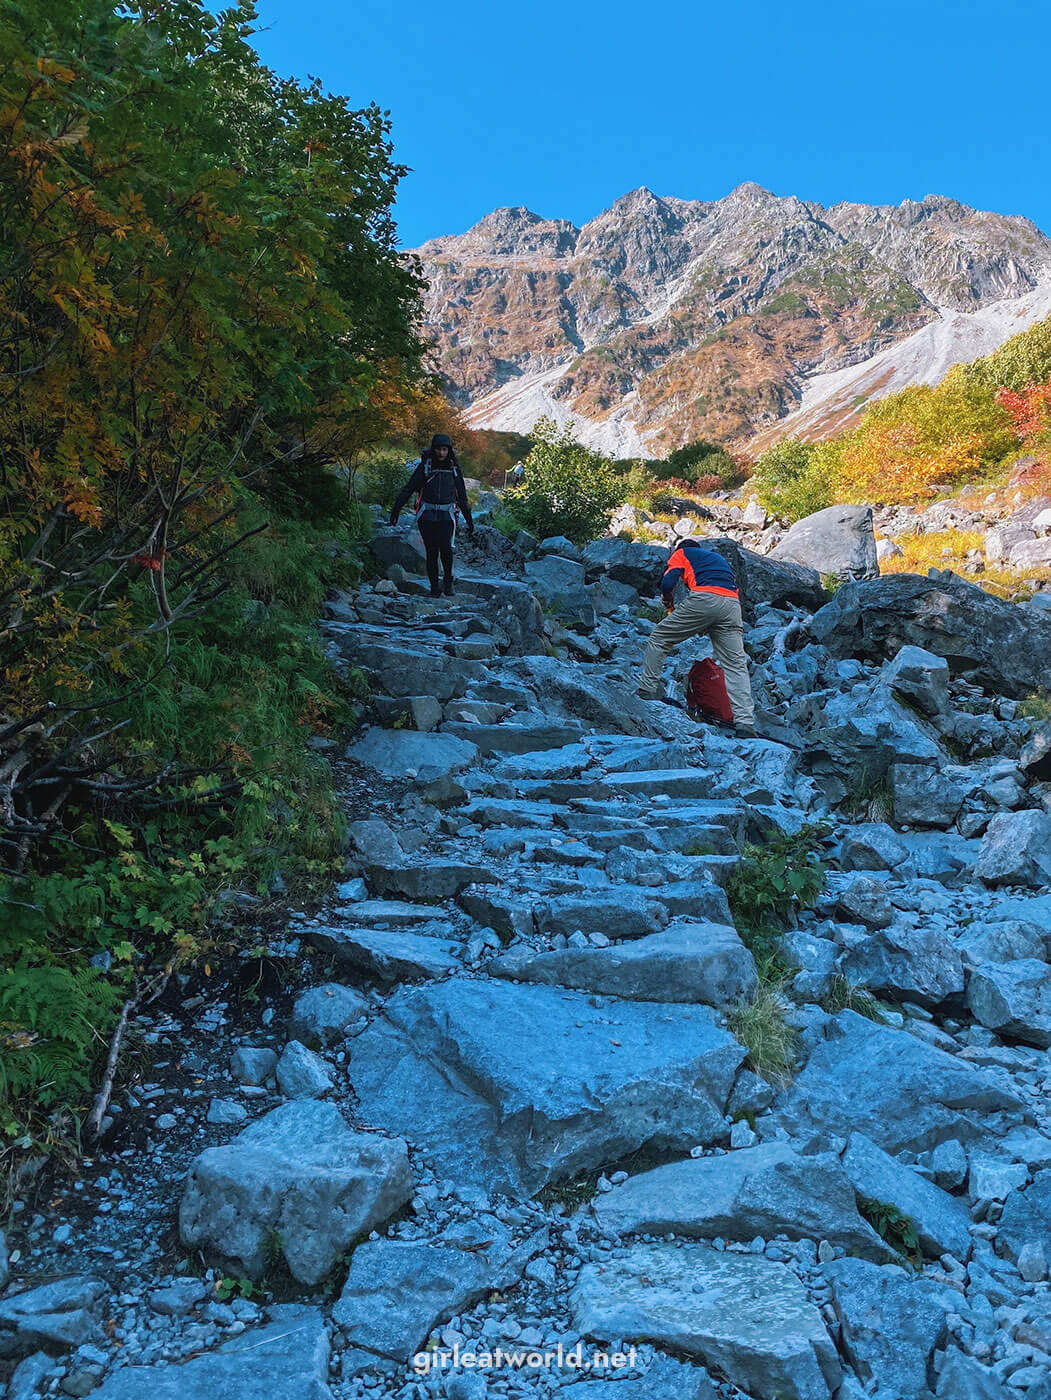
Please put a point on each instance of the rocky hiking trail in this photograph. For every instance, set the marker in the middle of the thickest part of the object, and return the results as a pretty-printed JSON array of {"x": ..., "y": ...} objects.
[{"x": 503, "y": 1105}]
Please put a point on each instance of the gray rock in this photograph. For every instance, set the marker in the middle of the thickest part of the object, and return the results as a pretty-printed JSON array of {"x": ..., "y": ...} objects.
[
  {"x": 925, "y": 796},
  {"x": 1032, "y": 1262},
  {"x": 949, "y": 1164},
  {"x": 509, "y": 916},
  {"x": 321, "y": 1015},
  {"x": 908, "y": 964},
  {"x": 618, "y": 913},
  {"x": 963, "y": 1378},
  {"x": 178, "y": 1298},
  {"x": 897, "y": 1090},
  {"x": 558, "y": 544},
  {"x": 838, "y": 540},
  {"x": 640, "y": 565},
  {"x": 391, "y": 954},
  {"x": 252, "y": 1064},
  {"x": 1013, "y": 999},
  {"x": 702, "y": 900},
  {"x": 865, "y": 901},
  {"x": 1026, "y": 1215},
  {"x": 872, "y": 846},
  {"x": 438, "y": 879},
  {"x": 863, "y": 734},
  {"x": 288, "y": 1358},
  {"x": 920, "y": 676},
  {"x": 761, "y": 579},
  {"x": 1016, "y": 850},
  {"x": 299, "y": 1176},
  {"x": 397, "y": 1291},
  {"x": 942, "y": 1222},
  {"x": 891, "y": 1324},
  {"x": 1035, "y": 758},
  {"x": 512, "y": 1087},
  {"x": 28, "y": 1378},
  {"x": 1008, "y": 940},
  {"x": 406, "y": 753},
  {"x": 999, "y": 646},
  {"x": 301, "y": 1074},
  {"x": 400, "y": 545},
  {"x": 745, "y": 1315},
  {"x": 766, "y": 1190},
  {"x": 993, "y": 1178},
  {"x": 397, "y": 669},
  {"x": 55, "y": 1317},
  {"x": 226, "y": 1112},
  {"x": 516, "y": 738},
  {"x": 687, "y": 962},
  {"x": 559, "y": 585},
  {"x": 375, "y": 842}
]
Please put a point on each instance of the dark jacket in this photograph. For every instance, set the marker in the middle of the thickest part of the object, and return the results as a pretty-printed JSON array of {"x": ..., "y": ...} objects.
[
  {"x": 438, "y": 486},
  {"x": 702, "y": 570}
]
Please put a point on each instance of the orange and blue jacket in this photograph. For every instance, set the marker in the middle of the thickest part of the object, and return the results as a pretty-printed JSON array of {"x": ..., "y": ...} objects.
[{"x": 702, "y": 570}]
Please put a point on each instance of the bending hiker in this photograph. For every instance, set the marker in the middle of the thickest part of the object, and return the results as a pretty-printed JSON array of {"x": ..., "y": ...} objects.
[
  {"x": 711, "y": 608},
  {"x": 441, "y": 494}
]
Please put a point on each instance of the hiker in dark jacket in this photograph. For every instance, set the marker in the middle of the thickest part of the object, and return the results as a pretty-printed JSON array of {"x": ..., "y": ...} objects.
[
  {"x": 440, "y": 493},
  {"x": 710, "y": 608}
]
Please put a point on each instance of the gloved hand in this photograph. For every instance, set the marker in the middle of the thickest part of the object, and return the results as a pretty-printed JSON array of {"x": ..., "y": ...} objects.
[{"x": 393, "y": 518}]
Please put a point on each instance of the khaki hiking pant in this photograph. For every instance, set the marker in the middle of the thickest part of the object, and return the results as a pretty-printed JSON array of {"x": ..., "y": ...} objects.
[{"x": 700, "y": 615}]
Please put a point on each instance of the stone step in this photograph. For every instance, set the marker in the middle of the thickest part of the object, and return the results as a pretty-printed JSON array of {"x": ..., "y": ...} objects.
[
  {"x": 515, "y": 738},
  {"x": 672, "y": 782},
  {"x": 489, "y": 811},
  {"x": 438, "y": 880},
  {"x": 391, "y": 954}
]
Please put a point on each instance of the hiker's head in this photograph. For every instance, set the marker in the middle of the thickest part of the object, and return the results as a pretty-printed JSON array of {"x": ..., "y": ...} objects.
[
  {"x": 441, "y": 446},
  {"x": 689, "y": 544}
]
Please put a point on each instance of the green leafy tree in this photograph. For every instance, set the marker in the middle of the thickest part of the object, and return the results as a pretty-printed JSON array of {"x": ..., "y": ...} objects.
[{"x": 568, "y": 489}]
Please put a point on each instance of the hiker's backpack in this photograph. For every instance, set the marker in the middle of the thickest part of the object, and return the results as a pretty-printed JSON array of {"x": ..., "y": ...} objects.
[
  {"x": 706, "y": 696},
  {"x": 438, "y": 492}
]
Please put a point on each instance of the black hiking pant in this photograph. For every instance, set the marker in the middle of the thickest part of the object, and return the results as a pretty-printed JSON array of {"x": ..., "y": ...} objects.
[{"x": 437, "y": 536}]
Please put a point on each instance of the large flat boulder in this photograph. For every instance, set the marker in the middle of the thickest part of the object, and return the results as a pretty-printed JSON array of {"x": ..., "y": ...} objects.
[
  {"x": 409, "y": 755},
  {"x": 287, "y": 1359},
  {"x": 56, "y": 1316},
  {"x": 910, "y": 964},
  {"x": 899, "y": 1091},
  {"x": 942, "y": 1221},
  {"x": 1016, "y": 850},
  {"x": 766, "y": 1190},
  {"x": 300, "y": 1176},
  {"x": 864, "y": 733},
  {"x": 626, "y": 561},
  {"x": 390, "y": 954},
  {"x": 747, "y": 1316},
  {"x": 688, "y": 962},
  {"x": 617, "y": 912},
  {"x": 397, "y": 1291},
  {"x": 1013, "y": 999},
  {"x": 514, "y": 738},
  {"x": 838, "y": 540},
  {"x": 1026, "y": 1217},
  {"x": 890, "y": 1323},
  {"x": 400, "y": 670},
  {"x": 513, "y": 1087},
  {"x": 1003, "y": 647}
]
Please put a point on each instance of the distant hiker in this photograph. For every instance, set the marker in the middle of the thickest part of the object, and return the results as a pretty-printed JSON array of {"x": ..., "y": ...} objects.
[
  {"x": 711, "y": 608},
  {"x": 440, "y": 496},
  {"x": 517, "y": 473}
]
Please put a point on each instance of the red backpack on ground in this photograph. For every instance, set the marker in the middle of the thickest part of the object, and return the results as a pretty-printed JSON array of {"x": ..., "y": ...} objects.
[{"x": 706, "y": 696}]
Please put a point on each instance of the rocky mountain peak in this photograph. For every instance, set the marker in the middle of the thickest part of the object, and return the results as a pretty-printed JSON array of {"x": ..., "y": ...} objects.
[{"x": 669, "y": 319}]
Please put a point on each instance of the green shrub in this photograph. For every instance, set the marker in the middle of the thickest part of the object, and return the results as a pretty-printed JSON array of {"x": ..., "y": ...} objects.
[
  {"x": 770, "y": 884},
  {"x": 382, "y": 475},
  {"x": 796, "y": 478},
  {"x": 568, "y": 489}
]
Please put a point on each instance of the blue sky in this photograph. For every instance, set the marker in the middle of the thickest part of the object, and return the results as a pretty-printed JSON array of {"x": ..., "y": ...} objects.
[{"x": 564, "y": 107}]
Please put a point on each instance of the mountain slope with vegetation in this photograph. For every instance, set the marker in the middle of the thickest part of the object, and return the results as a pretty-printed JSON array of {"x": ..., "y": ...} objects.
[{"x": 663, "y": 320}]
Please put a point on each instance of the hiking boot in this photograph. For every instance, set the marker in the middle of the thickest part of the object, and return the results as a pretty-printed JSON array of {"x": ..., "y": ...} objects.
[
  {"x": 448, "y": 590},
  {"x": 745, "y": 731},
  {"x": 436, "y": 592}
]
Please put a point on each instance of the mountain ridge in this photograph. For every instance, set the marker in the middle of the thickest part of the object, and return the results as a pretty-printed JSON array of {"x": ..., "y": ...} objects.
[{"x": 662, "y": 319}]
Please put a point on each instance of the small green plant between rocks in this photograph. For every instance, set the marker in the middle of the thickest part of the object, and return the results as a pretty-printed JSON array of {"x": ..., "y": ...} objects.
[{"x": 895, "y": 1227}]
